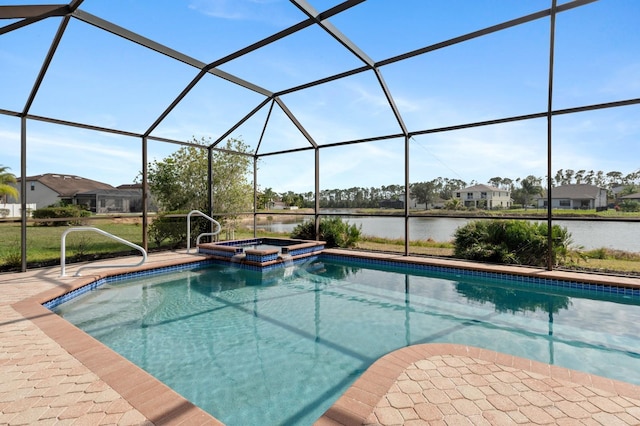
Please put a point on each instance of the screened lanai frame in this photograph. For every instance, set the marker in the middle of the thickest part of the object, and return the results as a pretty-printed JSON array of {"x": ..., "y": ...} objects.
[{"x": 29, "y": 14}]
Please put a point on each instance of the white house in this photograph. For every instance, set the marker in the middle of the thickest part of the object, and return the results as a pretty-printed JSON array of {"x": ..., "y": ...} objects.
[
  {"x": 484, "y": 197},
  {"x": 575, "y": 196}
]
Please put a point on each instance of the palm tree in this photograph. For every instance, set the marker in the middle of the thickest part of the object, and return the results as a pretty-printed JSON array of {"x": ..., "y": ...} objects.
[
  {"x": 6, "y": 189},
  {"x": 266, "y": 198},
  {"x": 529, "y": 187}
]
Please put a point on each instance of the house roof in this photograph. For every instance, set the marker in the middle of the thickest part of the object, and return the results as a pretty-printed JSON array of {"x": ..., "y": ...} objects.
[
  {"x": 117, "y": 192},
  {"x": 574, "y": 191},
  {"x": 130, "y": 186},
  {"x": 67, "y": 185},
  {"x": 482, "y": 187},
  {"x": 635, "y": 196}
]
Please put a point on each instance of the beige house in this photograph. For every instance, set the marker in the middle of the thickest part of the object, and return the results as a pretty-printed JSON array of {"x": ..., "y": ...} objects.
[{"x": 484, "y": 197}]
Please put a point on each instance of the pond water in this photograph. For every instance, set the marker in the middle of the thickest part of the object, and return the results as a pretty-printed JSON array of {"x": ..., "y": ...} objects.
[{"x": 586, "y": 234}]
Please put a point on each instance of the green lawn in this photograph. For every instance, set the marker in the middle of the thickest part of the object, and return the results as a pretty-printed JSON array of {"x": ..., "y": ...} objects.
[{"x": 43, "y": 242}]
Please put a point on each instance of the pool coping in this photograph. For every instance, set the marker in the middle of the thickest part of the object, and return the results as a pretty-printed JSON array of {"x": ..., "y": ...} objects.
[
  {"x": 153, "y": 399},
  {"x": 162, "y": 405}
]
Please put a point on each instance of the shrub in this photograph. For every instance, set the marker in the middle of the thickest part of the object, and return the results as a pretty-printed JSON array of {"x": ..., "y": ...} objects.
[
  {"x": 333, "y": 231},
  {"x": 12, "y": 256},
  {"x": 630, "y": 206},
  {"x": 72, "y": 213},
  {"x": 165, "y": 227},
  {"x": 172, "y": 226},
  {"x": 510, "y": 242}
]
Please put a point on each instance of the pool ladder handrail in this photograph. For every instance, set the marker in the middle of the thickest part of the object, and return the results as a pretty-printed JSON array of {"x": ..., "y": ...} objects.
[
  {"x": 212, "y": 220},
  {"x": 99, "y": 231}
]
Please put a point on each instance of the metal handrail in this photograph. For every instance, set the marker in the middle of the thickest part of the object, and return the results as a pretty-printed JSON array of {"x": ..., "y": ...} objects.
[
  {"x": 99, "y": 231},
  {"x": 212, "y": 220}
]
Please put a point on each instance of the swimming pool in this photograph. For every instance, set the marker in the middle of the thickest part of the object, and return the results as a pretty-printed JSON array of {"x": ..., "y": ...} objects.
[{"x": 279, "y": 348}]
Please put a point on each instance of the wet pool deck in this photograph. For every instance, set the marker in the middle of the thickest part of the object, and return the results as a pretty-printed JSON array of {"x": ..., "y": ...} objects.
[{"x": 51, "y": 373}]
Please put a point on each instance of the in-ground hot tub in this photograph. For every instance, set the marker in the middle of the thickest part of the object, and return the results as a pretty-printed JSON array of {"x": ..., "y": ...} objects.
[{"x": 262, "y": 252}]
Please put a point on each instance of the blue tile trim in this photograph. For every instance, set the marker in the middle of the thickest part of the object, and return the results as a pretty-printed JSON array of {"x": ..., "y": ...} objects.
[
  {"x": 221, "y": 253},
  {"x": 526, "y": 281},
  {"x": 533, "y": 282},
  {"x": 121, "y": 277}
]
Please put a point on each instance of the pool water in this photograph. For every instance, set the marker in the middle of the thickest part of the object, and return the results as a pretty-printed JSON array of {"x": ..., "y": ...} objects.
[{"x": 280, "y": 349}]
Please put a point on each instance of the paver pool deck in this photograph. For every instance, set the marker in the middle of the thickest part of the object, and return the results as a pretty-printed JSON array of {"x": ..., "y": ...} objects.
[{"x": 51, "y": 373}]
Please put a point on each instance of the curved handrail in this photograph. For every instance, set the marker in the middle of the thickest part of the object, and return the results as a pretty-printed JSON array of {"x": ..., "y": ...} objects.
[
  {"x": 99, "y": 231},
  {"x": 212, "y": 220}
]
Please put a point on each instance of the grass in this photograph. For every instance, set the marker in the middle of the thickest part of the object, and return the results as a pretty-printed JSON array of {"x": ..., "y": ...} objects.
[
  {"x": 425, "y": 247},
  {"x": 44, "y": 246},
  {"x": 608, "y": 260},
  {"x": 43, "y": 242}
]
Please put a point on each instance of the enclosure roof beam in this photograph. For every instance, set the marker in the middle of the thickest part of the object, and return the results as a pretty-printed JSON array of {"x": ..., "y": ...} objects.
[
  {"x": 264, "y": 128},
  {"x": 45, "y": 64},
  {"x": 322, "y": 21},
  {"x": 33, "y": 11},
  {"x": 391, "y": 101},
  {"x": 239, "y": 123},
  {"x": 485, "y": 31},
  {"x": 31, "y": 14},
  {"x": 81, "y": 125},
  {"x": 284, "y": 33},
  {"x": 593, "y": 107},
  {"x": 440, "y": 45},
  {"x": 296, "y": 123}
]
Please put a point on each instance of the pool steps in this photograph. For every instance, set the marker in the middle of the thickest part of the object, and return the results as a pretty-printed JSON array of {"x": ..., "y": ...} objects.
[{"x": 287, "y": 251}]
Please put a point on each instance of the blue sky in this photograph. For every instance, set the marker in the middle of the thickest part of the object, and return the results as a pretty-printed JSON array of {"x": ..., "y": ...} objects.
[{"x": 103, "y": 80}]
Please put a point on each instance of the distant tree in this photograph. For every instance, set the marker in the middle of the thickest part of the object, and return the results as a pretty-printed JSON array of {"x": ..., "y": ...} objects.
[
  {"x": 614, "y": 178},
  {"x": 450, "y": 186},
  {"x": 290, "y": 198},
  {"x": 6, "y": 189},
  {"x": 568, "y": 177},
  {"x": 629, "y": 189},
  {"x": 495, "y": 181},
  {"x": 507, "y": 184},
  {"x": 589, "y": 177},
  {"x": 580, "y": 176},
  {"x": 424, "y": 192},
  {"x": 265, "y": 199},
  {"x": 559, "y": 177},
  {"x": 633, "y": 178},
  {"x": 179, "y": 181},
  {"x": 529, "y": 187}
]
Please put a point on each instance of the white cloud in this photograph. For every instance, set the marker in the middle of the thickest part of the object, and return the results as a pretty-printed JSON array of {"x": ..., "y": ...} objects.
[
  {"x": 107, "y": 158},
  {"x": 236, "y": 10}
]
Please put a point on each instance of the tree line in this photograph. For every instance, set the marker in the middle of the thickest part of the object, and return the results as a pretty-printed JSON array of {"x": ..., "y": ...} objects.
[
  {"x": 523, "y": 190},
  {"x": 178, "y": 182}
]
